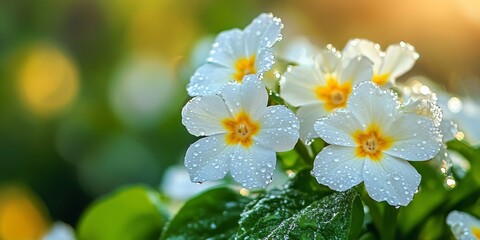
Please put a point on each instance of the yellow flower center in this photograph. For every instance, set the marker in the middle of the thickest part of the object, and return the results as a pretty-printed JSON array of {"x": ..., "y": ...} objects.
[
  {"x": 371, "y": 143},
  {"x": 244, "y": 66},
  {"x": 334, "y": 94},
  {"x": 241, "y": 129},
  {"x": 476, "y": 232},
  {"x": 380, "y": 79}
]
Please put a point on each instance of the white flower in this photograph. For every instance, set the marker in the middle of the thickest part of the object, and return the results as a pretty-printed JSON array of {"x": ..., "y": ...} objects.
[
  {"x": 463, "y": 225},
  {"x": 388, "y": 65},
  {"x": 420, "y": 99},
  {"x": 242, "y": 134},
  {"x": 176, "y": 185},
  {"x": 299, "y": 51},
  {"x": 236, "y": 53},
  {"x": 322, "y": 87},
  {"x": 370, "y": 141}
]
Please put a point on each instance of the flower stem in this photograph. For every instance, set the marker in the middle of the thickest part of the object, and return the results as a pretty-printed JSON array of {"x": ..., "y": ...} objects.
[
  {"x": 304, "y": 152},
  {"x": 389, "y": 223}
]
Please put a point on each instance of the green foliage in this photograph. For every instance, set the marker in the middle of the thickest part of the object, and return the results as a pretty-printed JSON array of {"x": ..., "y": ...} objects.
[
  {"x": 130, "y": 213},
  {"x": 303, "y": 210},
  {"x": 427, "y": 212},
  {"x": 213, "y": 214}
]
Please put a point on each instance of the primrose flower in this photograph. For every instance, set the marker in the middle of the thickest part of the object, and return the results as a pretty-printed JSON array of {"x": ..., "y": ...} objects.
[
  {"x": 236, "y": 53},
  {"x": 243, "y": 134},
  {"x": 299, "y": 51},
  {"x": 319, "y": 88},
  {"x": 388, "y": 65},
  {"x": 418, "y": 98},
  {"x": 463, "y": 225},
  {"x": 369, "y": 141}
]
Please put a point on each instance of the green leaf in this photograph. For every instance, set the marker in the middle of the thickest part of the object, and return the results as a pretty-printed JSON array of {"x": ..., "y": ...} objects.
[
  {"x": 130, "y": 213},
  {"x": 434, "y": 201},
  {"x": 213, "y": 214},
  {"x": 303, "y": 210}
]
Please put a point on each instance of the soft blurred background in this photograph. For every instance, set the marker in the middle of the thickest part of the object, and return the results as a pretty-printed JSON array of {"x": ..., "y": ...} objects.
[{"x": 91, "y": 91}]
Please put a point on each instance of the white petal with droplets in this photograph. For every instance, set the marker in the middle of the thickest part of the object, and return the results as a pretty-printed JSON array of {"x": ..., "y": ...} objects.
[
  {"x": 308, "y": 115},
  {"x": 227, "y": 48},
  {"x": 338, "y": 168},
  {"x": 208, "y": 158},
  {"x": 250, "y": 96},
  {"x": 359, "y": 69},
  {"x": 391, "y": 179},
  {"x": 398, "y": 59},
  {"x": 415, "y": 138},
  {"x": 338, "y": 128},
  {"x": 461, "y": 224},
  {"x": 264, "y": 61},
  {"x": 278, "y": 129},
  {"x": 372, "y": 105},
  {"x": 357, "y": 47},
  {"x": 263, "y": 31},
  {"x": 209, "y": 79},
  {"x": 253, "y": 167},
  {"x": 298, "y": 85},
  {"x": 203, "y": 115},
  {"x": 328, "y": 60}
]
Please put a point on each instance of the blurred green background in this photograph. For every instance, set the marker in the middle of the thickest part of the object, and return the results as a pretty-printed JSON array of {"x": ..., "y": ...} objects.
[{"x": 91, "y": 91}]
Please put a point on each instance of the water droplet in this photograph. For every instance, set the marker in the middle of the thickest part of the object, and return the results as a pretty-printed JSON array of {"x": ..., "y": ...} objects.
[{"x": 450, "y": 182}]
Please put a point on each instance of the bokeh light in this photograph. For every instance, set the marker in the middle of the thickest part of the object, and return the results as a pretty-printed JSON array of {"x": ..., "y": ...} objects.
[
  {"x": 142, "y": 90},
  {"x": 22, "y": 216},
  {"x": 47, "y": 80},
  {"x": 92, "y": 90}
]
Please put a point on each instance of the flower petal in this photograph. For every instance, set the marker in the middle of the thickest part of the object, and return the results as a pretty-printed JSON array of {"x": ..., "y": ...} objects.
[
  {"x": 227, "y": 48},
  {"x": 415, "y": 138},
  {"x": 338, "y": 168},
  {"x": 398, "y": 59},
  {"x": 391, "y": 179},
  {"x": 461, "y": 224},
  {"x": 357, "y": 47},
  {"x": 264, "y": 61},
  {"x": 308, "y": 115},
  {"x": 209, "y": 79},
  {"x": 279, "y": 129},
  {"x": 328, "y": 59},
  {"x": 298, "y": 85},
  {"x": 264, "y": 31},
  {"x": 372, "y": 105},
  {"x": 253, "y": 167},
  {"x": 338, "y": 128},
  {"x": 359, "y": 69},
  {"x": 208, "y": 159},
  {"x": 300, "y": 51},
  {"x": 249, "y": 96},
  {"x": 448, "y": 129},
  {"x": 203, "y": 115}
]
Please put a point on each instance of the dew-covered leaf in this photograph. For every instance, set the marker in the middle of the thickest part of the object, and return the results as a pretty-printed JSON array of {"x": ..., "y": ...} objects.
[
  {"x": 130, "y": 213},
  {"x": 213, "y": 214},
  {"x": 303, "y": 210}
]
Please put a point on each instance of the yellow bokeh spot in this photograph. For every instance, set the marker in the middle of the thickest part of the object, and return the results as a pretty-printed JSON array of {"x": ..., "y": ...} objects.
[
  {"x": 380, "y": 79},
  {"x": 151, "y": 25},
  {"x": 20, "y": 216},
  {"x": 476, "y": 232},
  {"x": 241, "y": 129},
  {"x": 371, "y": 143},
  {"x": 334, "y": 94},
  {"x": 47, "y": 80},
  {"x": 244, "y": 66}
]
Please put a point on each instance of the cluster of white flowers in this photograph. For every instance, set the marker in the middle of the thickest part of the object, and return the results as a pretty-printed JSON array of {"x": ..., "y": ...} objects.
[{"x": 343, "y": 97}]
